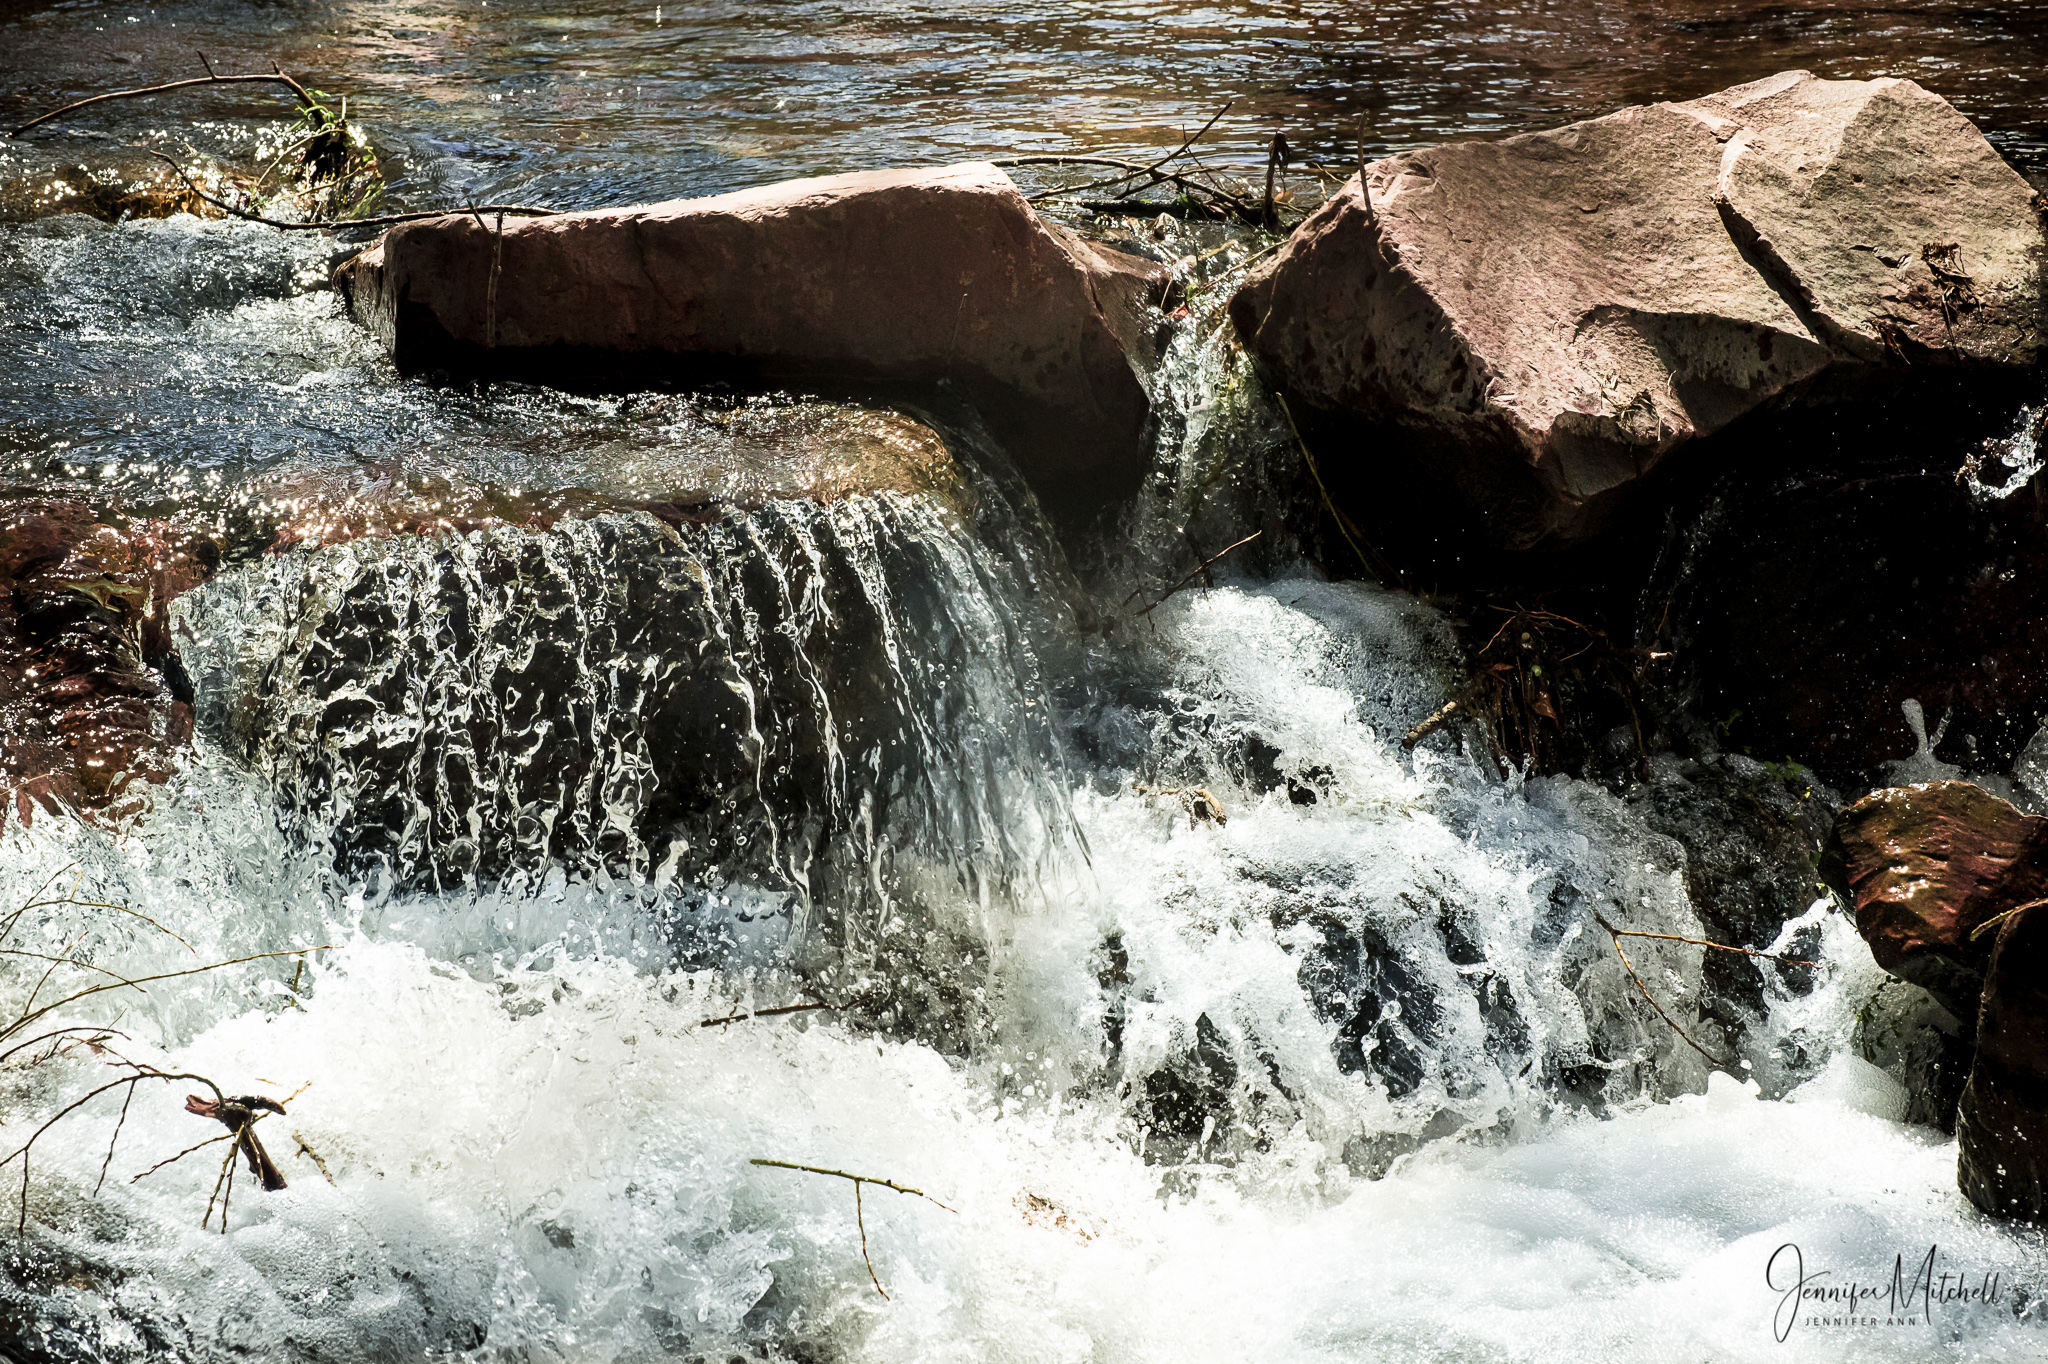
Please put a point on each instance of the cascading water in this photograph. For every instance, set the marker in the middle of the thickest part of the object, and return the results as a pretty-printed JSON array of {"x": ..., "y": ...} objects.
[{"x": 1348, "y": 1073}]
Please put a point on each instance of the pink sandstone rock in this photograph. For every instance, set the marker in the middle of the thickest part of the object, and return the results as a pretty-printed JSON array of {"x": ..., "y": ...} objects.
[
  {"x": 1554, "y": 314},
  {"x": 892, "y": 277}
]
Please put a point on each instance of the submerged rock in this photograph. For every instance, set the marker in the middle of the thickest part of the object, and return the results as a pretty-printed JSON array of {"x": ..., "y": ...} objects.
[
  {"x": 1551, "y": 316},
  {"x": 896, "y": 277},
  {"x": 92, "y": 695}
]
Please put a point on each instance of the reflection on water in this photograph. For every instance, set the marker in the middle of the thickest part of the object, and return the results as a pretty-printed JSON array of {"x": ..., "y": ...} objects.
[{"x": 587, "y": 103}]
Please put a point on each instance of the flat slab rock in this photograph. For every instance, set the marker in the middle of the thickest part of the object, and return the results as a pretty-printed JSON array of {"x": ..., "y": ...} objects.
[
  {"x": 1580, "y": 303},
  {"x": 910, "y": 276}
]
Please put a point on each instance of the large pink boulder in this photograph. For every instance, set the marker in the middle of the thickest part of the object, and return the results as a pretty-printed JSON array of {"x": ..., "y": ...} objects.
[
  {"x": 891, "y": 277},
  {"x": 1552, "y": 315}
]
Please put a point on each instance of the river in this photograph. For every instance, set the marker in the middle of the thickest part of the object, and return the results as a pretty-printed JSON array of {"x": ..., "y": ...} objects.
[{"x": 1348, "y": 1075}]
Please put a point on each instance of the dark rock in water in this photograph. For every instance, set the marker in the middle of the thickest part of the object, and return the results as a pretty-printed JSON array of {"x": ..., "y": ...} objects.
[
  {"x": 92, "y": 693},
  {"x": 1755, "y": 839},
  {"x": 897, "y": 277},
  {"x": 1814, "y": 605},
  {"x": 1551, "y": 316},
  {"x": 1928, "y": 865},
  {"x": 2002, "y": 1124}
]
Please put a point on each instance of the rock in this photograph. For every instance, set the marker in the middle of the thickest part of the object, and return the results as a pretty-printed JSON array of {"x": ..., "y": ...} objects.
[
  {"x": 1810, "y": 619},
  {"x": 1927, "y": 866},
  {"x": 1549, "y": 317},
  {"x": 891, "y": 277},
  {"x": 2002, "y": 1123},
  {"x": 92, "y": 694}
]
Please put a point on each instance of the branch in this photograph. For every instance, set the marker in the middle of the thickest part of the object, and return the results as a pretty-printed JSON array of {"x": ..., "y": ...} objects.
[
  {"x": 280, "y": 78},
  {"x": 1186, "y": 143},
  {"x": 1629, "y": 966},
  {"x": 1200, "y": 570},
  {"x": 859, "y": 1216},
  {"x": 764, "y": 1013}
]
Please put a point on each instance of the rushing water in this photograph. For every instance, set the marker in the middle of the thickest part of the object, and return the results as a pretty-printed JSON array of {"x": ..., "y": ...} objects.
[{"x": 1351, "y": 1074}]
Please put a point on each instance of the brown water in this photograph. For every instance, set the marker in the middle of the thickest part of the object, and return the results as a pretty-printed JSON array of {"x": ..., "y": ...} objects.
[{"x": 587, "y": 103}]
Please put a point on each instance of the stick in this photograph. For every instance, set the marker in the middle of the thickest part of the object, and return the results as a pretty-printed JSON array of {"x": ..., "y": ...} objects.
[
  {"x": 1185, "y": 143},
  {"x": 334, "y": 224},
  {"x": 1200, "y": 570},
  {"x": 763, "y": 1013},
  {"x": 1430, "y": 726},
  {"x": 1371, "y": 563},
  {"x": 1629, "y": 966},
  {"x": 172, "y": 1160},
  {"x": 306, "y": 1150},
  {"x": 859, "y": 1215},
  {"x": 1267, "y": 218},
  {"x": 280, "y": 78},
  {"x": 1981, "y": 929},
  {"x": 123, "y": 1122},
  {"x": 1183, "y": 181}
]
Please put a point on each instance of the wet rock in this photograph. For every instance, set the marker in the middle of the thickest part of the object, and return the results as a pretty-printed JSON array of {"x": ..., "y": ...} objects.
[
  {"x": 892, "y": 277},
  {"x": 1816, "y": 603},
  {"x": 92, "y": 693},
  {"x": 1928, "y": 865},
  {"x": 2002, "y": 1124},
  {"x": 1549, "y": 317},
  {"x": 1755, "y": 838}
]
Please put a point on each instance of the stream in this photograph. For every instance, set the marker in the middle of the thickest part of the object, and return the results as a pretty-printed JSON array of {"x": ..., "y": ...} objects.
[{"x": 1349, "y": 1074}]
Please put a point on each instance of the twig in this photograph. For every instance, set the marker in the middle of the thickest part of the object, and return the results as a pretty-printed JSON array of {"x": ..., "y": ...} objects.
[
  {"x": 121, "y": 1123},
  {"x": 1186, "y": 142},
  {"x": 859, "y": 1215},
  {"x": 306, "y": 1150},
  {"x": 1430, "y": 726},
  {"x": 1200, "y": 570},
  {"x": 299, "y": 91},
  {"x": 1615, "y": 935},
  {"x": 173, "y": 1160},
  {"x": 334, "y": 224},
  {"x": 1244, "y": 208},
  {"x": 1372, "y": 563},
  {"x": 1717, "y": 946},
  {"x": 1981, "y": 929},
  {"x": 1267, "y": 218},
  {"x": 763, "y": 1013}
]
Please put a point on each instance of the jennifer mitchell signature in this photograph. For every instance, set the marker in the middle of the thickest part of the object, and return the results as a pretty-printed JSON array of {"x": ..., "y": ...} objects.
[{"x": 1804, "y": 1300}]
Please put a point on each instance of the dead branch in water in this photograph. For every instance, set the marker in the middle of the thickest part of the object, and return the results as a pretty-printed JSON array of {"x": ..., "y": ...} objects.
[
  {"x": 276, "y": 77},
  {"x": 1200, "y": 570},
  {"x": 765, "y": 1013},
  {"x": 1617, "y": 934},
  {"x": 859, "y": 1216},
  {"x": 238, "y": 1114},
  {"x": 1614, "y": 935}
]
